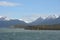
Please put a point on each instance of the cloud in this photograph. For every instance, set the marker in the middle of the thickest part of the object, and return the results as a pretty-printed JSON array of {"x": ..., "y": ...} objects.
[{"x": 5, "y": 3}]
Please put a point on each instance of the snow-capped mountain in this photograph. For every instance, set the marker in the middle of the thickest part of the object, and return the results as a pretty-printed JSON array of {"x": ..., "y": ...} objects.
[
  {"x": 52, "y": 17},
  {"x": 50, "y": 20},
  {"x": 36, "y": 22},
  {"x": 5, "y": 22},
  {"x": 2, "y": 18}
]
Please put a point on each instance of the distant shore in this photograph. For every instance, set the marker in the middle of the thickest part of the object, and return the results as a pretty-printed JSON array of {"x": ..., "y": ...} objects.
[{"x": 44, "y": 27}]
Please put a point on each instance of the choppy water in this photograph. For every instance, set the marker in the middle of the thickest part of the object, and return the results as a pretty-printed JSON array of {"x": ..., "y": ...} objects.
[{"x": 29, "y": 35}]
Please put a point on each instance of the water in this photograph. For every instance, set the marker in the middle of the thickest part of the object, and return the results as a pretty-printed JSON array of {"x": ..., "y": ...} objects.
[{"x": 18, "y": 34}]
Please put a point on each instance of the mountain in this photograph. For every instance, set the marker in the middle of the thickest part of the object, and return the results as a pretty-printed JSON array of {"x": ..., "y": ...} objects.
[
  {"x": 57, "y": 21},
  {"x": 4, "y": 23},
  {"x": 50, "y": 20},
  {"x": 37, "y": 22}
]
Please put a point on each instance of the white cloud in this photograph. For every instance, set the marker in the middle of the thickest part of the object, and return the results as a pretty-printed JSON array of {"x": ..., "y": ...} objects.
[{"x": 5, "y": 3}]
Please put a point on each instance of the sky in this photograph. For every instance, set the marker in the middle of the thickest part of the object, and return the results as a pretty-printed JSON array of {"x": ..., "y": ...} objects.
[{"x": 29, "y": 10}]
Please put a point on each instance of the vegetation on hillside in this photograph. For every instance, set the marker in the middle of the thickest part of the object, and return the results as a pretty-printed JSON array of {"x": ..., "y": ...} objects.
[
  {"x": 39, "y": 27},
  {"x": 44, "y": 27}
]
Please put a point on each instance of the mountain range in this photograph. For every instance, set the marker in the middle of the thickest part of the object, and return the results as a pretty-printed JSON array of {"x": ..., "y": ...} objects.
[
  {"x": 5, "y": 23},
  {"x": 50, "y": 20}
]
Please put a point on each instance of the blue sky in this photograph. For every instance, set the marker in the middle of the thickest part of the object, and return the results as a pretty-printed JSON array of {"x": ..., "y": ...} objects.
[{"x": 29, "y": 10}]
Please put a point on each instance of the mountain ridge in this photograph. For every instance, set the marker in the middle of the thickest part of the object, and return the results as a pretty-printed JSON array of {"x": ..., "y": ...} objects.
[
  {"x": 50, "y": 20},
  {"x": 4, "y": 23}
]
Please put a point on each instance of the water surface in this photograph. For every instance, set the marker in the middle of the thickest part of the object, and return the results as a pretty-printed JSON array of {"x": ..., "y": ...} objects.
[{"x": 20, "y": 34}]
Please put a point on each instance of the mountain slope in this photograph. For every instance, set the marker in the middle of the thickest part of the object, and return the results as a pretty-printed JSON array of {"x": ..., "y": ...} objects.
[
  {"x": 50, "y": 20},
  {"x": 7, "y": 23},
  {"x": 37, "y": 22}
]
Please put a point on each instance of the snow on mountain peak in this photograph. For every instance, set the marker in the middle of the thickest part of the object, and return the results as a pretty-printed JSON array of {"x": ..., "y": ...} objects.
[
  {"x": 3, "y": 18},
  {"x": 52, "y": 17}
]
